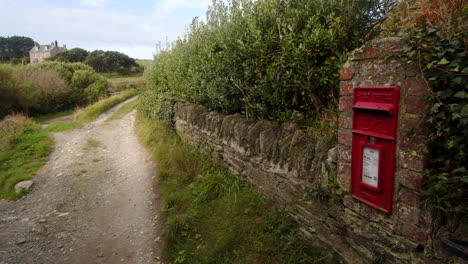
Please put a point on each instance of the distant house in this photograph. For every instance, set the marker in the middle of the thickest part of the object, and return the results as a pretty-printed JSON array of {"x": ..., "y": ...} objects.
[{"x": 39, "y": 52}]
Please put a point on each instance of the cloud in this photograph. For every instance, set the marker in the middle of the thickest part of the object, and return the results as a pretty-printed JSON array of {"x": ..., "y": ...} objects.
[
  {"x": 95, "y": 3},
  {"x": 170, "y": 5},
  {"x": 104, "y": 27}
]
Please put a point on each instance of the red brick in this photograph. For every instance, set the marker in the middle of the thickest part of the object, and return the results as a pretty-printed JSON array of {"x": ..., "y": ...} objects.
[
  {"x": 415, "y": 86},
  {"x": 344, "y": 137},
  {"x": 346, "y": 104},
  {"x": 344, "y": 153},
  {"x": 416, "y": 125},
  {"x": 411, "y": 142},
  {"x": 411, "y": 161},
  {"x": 391, "y": 45},
  {"x": 346, "y": 73},
  {"x": 413, "y": 233},
  {"x": 345, "y": 121},
  {"x": 410, "y": 179},
  {"x": 408, "y": 213},
  {"x": 346, "y": 88},
  {"x": 415, "y": 104},
  {"x": 409, "y": 196},
  {"x": 412, "y": 70},
  {"x": 368, "y": 52}
]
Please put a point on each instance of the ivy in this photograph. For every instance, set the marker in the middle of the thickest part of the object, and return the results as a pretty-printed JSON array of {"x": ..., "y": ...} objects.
[{"x": 440, "y": 49}]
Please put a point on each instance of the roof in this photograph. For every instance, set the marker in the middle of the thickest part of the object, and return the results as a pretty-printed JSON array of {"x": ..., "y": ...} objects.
[{"x": 45, "y": 48}]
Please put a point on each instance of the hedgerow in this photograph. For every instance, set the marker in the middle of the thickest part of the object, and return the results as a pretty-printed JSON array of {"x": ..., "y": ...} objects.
[{"x": 271, "y": 59}]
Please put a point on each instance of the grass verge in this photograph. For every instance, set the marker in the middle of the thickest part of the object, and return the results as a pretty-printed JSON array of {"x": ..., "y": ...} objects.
[
  {"x": 93, "y": 111},
  {"x": 43, "y": 118},
  {"x": 211, "y": 217},
  {"x": 24, "y": 148},
  {"x": 124, "y": 110}
]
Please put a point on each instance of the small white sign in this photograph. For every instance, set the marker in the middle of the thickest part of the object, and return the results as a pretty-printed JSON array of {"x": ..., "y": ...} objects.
[{"x": 370, "y": 167}]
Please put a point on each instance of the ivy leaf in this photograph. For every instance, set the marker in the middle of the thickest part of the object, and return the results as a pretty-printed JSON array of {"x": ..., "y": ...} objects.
[
  {"x": 464, "y": 110},
  {"x": 429, "y": 65},
  {"x": 443, "y": 62},
  {"x": 460, "y": 94}
]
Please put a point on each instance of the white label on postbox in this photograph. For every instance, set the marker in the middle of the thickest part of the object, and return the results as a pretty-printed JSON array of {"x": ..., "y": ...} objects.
[{"x": 370, "y": 167}]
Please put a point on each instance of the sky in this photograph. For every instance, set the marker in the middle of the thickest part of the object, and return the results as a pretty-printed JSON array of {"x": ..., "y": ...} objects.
[{"x": 130, "y": 27}]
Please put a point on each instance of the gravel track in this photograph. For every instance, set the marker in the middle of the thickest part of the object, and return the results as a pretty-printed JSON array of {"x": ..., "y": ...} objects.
[{"x": 95, "y": 201}]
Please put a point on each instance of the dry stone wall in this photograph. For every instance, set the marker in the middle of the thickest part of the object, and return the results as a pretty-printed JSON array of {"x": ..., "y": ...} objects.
[{"x": 287, "y": 165}]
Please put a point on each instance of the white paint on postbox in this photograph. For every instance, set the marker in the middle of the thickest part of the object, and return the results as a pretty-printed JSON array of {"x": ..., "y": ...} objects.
[{"x": 370, "y": 166}]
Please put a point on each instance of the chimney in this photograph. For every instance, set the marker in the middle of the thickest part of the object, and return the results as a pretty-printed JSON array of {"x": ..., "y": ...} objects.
[
  {"x": 36, "y": 44},
  {"x": 56, "y": 44}
]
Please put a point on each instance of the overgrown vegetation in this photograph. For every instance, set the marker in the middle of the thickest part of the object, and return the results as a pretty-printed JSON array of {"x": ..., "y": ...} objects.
[
  {"x": 211, "y": 217},
  {"x": 24, "y": 148},
  {"x": 48, "y": 87},
  {"x": 272, "y": 59},
  {"x": 435, "y": 34}
]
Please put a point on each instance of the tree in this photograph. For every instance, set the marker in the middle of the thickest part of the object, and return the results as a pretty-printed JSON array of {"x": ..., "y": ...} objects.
[
  {"x": 73, "y": 55},
  {"x": 110, "y": 61},
  {"x": 15, "y": 47}
]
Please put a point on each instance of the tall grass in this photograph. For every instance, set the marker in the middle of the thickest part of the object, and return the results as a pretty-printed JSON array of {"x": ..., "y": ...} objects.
[
  {"x": 24, "y": 148},
  {"x": 211, "y": 217}
]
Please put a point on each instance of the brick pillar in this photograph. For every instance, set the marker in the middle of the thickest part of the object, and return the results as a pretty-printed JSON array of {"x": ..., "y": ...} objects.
[{"x": 378, "y": 64}]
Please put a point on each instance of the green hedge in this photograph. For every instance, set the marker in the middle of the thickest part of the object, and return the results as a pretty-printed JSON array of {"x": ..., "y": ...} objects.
[{"x": 271, "y": 59}]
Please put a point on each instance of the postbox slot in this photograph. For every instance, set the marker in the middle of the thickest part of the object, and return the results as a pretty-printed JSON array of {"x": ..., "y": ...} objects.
[{"x": 374, "y": 106}]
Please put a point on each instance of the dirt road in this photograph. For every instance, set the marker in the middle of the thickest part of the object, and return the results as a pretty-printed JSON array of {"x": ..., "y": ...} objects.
[{"x": 94, "y": 202}]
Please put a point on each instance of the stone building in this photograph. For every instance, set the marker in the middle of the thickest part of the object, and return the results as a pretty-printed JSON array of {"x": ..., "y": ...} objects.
[{"x": 39, "y": 52}]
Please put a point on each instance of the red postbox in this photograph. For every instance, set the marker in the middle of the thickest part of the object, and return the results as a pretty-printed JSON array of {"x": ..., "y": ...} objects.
[{"x": 375, "y": 120}]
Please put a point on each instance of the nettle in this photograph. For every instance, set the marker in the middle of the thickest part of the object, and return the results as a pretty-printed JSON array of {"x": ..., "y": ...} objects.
[{"x": 440, "y": 49}]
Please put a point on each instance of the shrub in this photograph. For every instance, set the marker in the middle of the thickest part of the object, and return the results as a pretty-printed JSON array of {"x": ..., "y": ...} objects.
[
  {"x": 272, "y": 59},
  {"x": 15, "y": 96},
  {"x": 52, "y": 91},
  {"x": 48, "y": 87},
  {"x": 96, "y": 90},
  {"x": 79, "y": 76}
]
